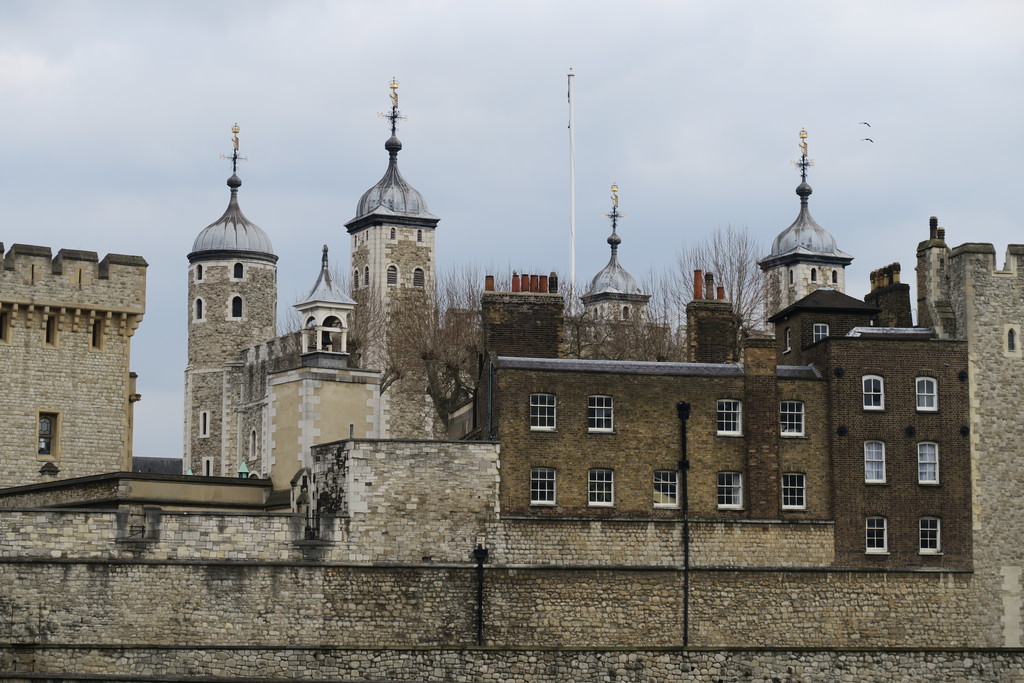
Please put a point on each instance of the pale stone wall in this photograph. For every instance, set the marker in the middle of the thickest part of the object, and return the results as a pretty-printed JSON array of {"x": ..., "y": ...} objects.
[
  {"x": 539, "y": 665},
  {"x": 986, "y": 301},
  {"x": 409, "y": 500},
  {"x": 781, "y": 293},
  {"x": 87, "y": 386},
  {"x": 613, "y": 542}
]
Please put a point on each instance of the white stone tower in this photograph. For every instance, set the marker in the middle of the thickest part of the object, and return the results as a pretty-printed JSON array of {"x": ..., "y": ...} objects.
[
  {"x": 392, "y": 239},
  {"x": 613, "y": 294},
  {"x": 232, "y": 304},
  {"x": 804, "y": 256}
]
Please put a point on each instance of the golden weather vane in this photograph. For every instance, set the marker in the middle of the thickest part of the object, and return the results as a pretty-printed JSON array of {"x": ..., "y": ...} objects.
[
  {"x": 235, "y": 158},
  {"x": 394, "y": 115},
  {"x": 614, "y": 215},
  {"x": 804, "y": 163}
]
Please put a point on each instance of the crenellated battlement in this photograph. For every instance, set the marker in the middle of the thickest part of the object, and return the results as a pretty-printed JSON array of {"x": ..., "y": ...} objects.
[{"x": 73, "y": 281}]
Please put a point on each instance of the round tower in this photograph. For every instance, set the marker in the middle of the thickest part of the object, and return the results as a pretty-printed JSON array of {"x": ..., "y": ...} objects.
[
  {"x": 804, "y": 256},
  {"x": 232, "y": 305},
  {"x": 613, "y": 293}
]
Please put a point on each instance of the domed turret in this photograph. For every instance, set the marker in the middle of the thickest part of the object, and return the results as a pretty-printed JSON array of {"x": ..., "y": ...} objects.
[
  {"x": 392, "y": 195},
  {"x": 233, "y": 233},
  {"x": 804, "y": 256},
  {"x": 613, "y": 292}
]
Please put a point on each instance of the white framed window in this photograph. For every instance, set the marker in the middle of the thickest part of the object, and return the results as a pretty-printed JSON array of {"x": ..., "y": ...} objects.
[
  {"x": 791, "y": 418},
  {"x": 542, "y": 412},
  {"x": 666, "y": 489},
  {"x": 794, "y": 491},
  {"x": 601, "y": 488},
  {"x": 600, "y": 417},
  {"x": 48, "y": 434},
  {"x": 874, "y": 392},
  {"x": 542, "y": 486},
  {"x": 392, "y": 275},
  {"x": 927, "y": 394},
  {"x": 204, "y": 423},
  {"x": 874, "y": 462},
  {"x": 876, "y": 535},
  {"x": 819, "y": 332},
  {"x": 930, "y": 536},
  {"x": 730, "y": 490},
  {"x": 729, "y": 419},
  {"x": 789, "y": 340},
  {"x": 927, "y": 463}
]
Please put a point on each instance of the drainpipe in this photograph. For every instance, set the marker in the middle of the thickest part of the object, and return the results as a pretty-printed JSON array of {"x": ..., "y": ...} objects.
[
  {"x": 480, "y": 555},
  {"x": 683, "y": 410}
]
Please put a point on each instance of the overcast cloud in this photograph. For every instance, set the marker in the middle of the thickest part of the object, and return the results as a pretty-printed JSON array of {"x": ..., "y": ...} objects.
[{"x": 114, "y": 114}]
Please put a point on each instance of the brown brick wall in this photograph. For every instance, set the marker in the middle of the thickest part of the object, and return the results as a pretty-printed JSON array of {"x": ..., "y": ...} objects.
[
  {"x": 901, "y": 499},
  {"x": 523, "y": 324},
  {"x": 646, "y": 438}
]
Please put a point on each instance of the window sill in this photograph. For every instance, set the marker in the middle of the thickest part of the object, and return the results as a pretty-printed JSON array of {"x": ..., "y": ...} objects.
[
  {"x": 869, "y": 482},
  {"x": 793, "y": 508},
  {"x": 793, "y": 436},
  {"x": 930, "y": 553},
  {"x": 733, "y": 434},
  {"x": 730, "y": 508},
  {"x": 874, "y": 410},
  {"x": 876, "y": 552},
  {"x": 601, "y": 431},
  {"x": 928, "y": 483},
  {"x": 927, "y": 410},
  {"x": 542, "y": 429},
  {"x": 542, "y": 505}
]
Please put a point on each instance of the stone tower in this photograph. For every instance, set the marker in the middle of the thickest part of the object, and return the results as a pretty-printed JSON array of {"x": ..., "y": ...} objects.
[
  {"x": 613, "y": 294},
  {"x": 804, "y": 256},
  {"x": 66, "y": 324},
  {"x": 232, "y": 304},
  {"x": 392, "y": 240}
]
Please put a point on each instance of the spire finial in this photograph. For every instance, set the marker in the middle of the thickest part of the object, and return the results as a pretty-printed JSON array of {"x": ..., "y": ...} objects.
[
  {"x": 614, "y": 239},
  {"x": 394, "y": 115},
  {"x": 324, "y": 260},
  {"x": 235, "y": 158},
  {"x": 804, "y": 163}
]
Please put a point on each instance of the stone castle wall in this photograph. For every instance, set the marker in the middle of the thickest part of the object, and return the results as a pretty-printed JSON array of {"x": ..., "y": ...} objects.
[
  {"x": 986, "y": 303},
  {"x": 65, "y": 330},
  {"x": 538, "y": 665}
]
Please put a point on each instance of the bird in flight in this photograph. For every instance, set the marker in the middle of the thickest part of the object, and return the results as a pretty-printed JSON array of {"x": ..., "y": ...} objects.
[
  {"x": 867, "y": 140},
  {"x": 865, "y": 123}
]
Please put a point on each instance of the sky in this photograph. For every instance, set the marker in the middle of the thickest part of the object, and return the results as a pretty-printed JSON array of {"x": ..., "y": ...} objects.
[{"x": 114, "y": 115}]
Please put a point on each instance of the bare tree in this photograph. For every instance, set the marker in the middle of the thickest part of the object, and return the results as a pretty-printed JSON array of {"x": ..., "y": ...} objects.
[{"x": 731, "y": 254}]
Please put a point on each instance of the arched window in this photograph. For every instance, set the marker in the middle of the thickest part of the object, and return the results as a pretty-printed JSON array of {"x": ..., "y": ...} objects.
[
  {"x": 625, "y": 312},
  {"x": 392, "y": 233},
  {"x": 199, "y": 273},
  {"x": 238, "y": 271},
  {"x": 1011, "y": 340},
  {"x": 835, "y": 277},
  {"x": 419, "y": 235},
  {"x": 252, "y": 444},
  {"x": 236, "y": 307},
  {"x": 814, "y": 274},
  {"x": 417, "y": 277},
  {"x": 199, "y": 309},
  {"x": 366, "y": 276},
  {"x": 790, "y": 276},
  {"x": 355, "y": 279},
  {"x": 392, "y": 275}
]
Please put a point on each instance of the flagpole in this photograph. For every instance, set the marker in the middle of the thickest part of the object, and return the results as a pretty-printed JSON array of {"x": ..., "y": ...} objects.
[{"x": 572, "y": 201}]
